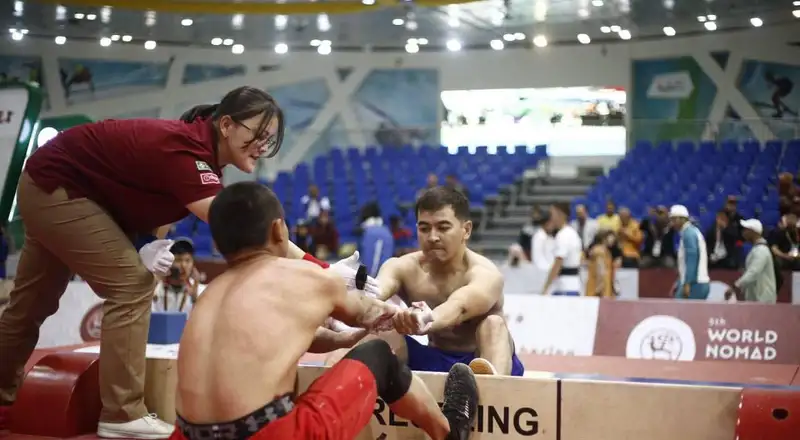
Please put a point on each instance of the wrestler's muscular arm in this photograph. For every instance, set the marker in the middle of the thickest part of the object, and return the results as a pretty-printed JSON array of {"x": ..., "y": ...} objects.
[
  {"x": 327, "y": 340},
  {"x": 390, "y": 277},
  {"x": 355, "y": 310},
  {"x": 483, "y": 291}
]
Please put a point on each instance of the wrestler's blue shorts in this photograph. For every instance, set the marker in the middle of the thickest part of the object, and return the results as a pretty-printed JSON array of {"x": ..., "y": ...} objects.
[{"x": 425, "y": 358}]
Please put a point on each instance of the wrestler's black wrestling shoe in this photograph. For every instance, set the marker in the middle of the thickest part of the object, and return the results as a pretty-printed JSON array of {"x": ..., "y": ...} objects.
[{"x": 460, "y": 401}]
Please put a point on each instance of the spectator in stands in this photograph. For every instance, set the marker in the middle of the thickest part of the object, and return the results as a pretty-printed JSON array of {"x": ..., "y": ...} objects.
[
  {"x": 785, "y": 243},
  {"x": 630, "y": 238},
  {"x": 314, "y": 203},
  {"x": 757, "y": 283},
  {"x": 563, "y": 276},
  {"x": 610, "y": 220},
  {"x": 324, "y": 236},
  {"x": 659, "y": 240},
  {"x": 543, "y": 244},
  {"x": 529, "y": 229},
  {"x": 586, "y": 227},
  {"x": 301, "y": 236},
  {"x": 735, "y": 219},
  {"x": 452, "y": 181},
  {"x": 721, "y": 238},
  {"x": 603, "y": 257},
  {"x": 787, "y": 192},
  {"x": 432, "y": 181},
  {"x": 179, "y": 290},
  {"x": 693, "y": 279},
  {"x": 403, "y": 237}
]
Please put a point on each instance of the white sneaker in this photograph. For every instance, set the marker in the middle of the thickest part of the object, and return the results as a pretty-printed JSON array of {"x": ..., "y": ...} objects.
[
  {"x": 149, "y": 427},
  {"x": 482, "y": 366}
]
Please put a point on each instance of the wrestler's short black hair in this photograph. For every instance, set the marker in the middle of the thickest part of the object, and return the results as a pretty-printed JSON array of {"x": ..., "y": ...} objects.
[
  {"x": 440, "y": 197},
  {"x": 241, "y": 217}
]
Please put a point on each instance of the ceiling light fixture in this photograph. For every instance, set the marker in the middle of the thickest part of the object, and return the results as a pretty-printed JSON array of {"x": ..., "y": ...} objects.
[
  {"x": 19, "y": 8},
  {"x": 187, "y": 22},
  {"x": 105, "y": 14},
  {"x": 711, "y": 17},
  {"x": 216, "y": 41},
  {"x": 701, "y": 18},
  {"x": 796, "y": 3},
  {"x": 615, "y": 28},
  {"x": 127, "y": 38},
  {"x": 91, "y": 17},
  {"x": 105, "y": 41},
  {"x": 60, "y": 40},
  {"x": 453, "y": 45},
  {"x": 115, "y": 37},
  {"x": 669, "y": 31},
  {"x": 398, "y": 22},
  {"x": 583, "y": 13},
  {"x": 150, "y": 18},
  {"x": 324, "y": 49},
  {"x": 796, "y": 13},
  {"x": 497, "y": 44},
  {"x": 412, "y": 47},
  {"x": 540, "y": 41},
  {"x": 79, "y": 16},
  {"x": 237, "y": 21},
  {"x": 584, "y": 39},
  {"x": 625, "y": 34},
  {"x": 323, "y": 23},
  {"x": 150, "y": 45},
  {"x": 597, "y": 3},
  {"x": 281, "y": 48},
  {"x": 368, "y": 2},
  {"x": 61, "y": 13},
  {"x": 605, "y": 29},
  {"x": 422, "y": 41},
  {"x": 519, "y": 36},
  {"x": 756, "y": 22},
  {"x": 281, "y": 21},
  {"x": 710, "y": 25},
  {"x": 237, "y": 49},
  {"x": 508, "y": 37},
  {"x": 315, "y": 43},
  {"x": 227, "y": 42}
]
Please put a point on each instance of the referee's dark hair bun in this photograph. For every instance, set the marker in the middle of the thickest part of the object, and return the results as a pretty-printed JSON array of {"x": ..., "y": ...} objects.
[{"x": 199, "y": 112}]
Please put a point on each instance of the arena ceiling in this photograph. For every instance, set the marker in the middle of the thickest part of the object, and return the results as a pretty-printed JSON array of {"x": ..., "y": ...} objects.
[{"x": 383, "y": 25}]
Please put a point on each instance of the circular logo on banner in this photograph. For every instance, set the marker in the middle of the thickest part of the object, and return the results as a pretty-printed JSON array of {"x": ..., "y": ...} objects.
[
  {"x": 91, "y": 324},
  {"x": 661, "y": 337}
]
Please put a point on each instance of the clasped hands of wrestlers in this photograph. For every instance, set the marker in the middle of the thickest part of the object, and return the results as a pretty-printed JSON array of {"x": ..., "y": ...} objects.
[{"x": 384, "y": 316}]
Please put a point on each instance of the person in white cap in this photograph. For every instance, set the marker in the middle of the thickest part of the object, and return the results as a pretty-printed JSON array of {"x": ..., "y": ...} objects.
[
  {"x": 693, "y": 279},
  {"x": 758, "y": 282}
]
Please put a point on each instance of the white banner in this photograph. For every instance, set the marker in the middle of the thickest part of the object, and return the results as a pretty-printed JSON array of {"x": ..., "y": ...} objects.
[
  {"x": 528, "y": 279},
  {"x": 13, "y": 103},
  {"x": 549, "y": 325},
  {"x": 77, "y": 320}
]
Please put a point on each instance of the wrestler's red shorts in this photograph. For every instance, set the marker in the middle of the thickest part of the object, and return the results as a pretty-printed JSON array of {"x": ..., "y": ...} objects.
[{"x": 337, "y": 406}]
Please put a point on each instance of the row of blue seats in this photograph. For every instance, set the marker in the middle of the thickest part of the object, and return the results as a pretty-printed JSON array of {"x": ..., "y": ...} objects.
[{"x": 699, "y": 175}]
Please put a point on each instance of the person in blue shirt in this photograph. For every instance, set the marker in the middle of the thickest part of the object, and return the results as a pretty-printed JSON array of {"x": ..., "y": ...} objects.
[
  {"x": 377, "y": 241},
  {"x": 693, "y": 279}
]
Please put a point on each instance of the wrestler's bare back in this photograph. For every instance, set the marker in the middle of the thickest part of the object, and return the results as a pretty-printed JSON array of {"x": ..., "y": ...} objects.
[
  {"x": 246, "y": 334},
  {"x": 419, "y": 283}
]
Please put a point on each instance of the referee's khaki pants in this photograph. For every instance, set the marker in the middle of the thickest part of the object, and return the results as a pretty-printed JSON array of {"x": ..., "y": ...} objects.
[{"x": 62, "y": 237}]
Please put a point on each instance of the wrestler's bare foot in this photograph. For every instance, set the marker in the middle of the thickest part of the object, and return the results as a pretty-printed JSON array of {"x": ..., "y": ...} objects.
[
  {"x": 148, "y": 427},
  {"x": 482, "y": 366},
  {"x": 460, "y": 401}
]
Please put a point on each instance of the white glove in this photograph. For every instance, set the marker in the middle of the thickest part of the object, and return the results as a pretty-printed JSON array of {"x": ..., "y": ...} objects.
[
  {"x": 156, "y": 257},
  {"x": 424, "y": 316},
  {"x": 347, "y": 269}
]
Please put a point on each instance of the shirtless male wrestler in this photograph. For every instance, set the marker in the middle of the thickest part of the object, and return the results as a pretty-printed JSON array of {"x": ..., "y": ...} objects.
[
  {"x": 463, "y": 289},
  {"x": 237, "y": 364}
]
